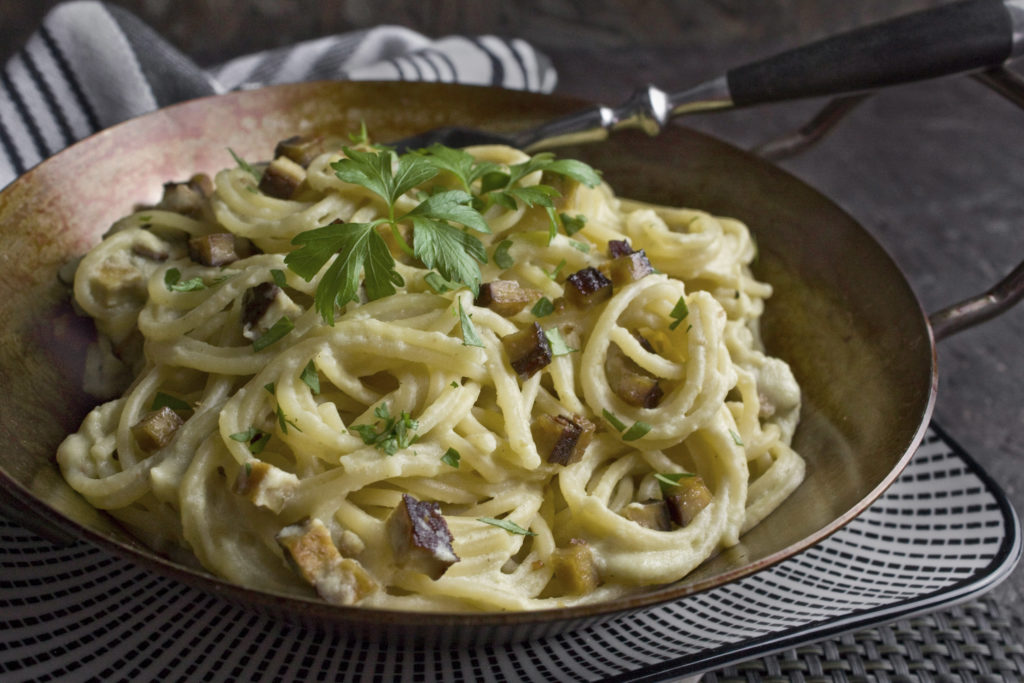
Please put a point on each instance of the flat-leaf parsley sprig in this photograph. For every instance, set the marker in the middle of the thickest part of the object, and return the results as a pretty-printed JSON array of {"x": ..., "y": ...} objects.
[{"x": 443, "y": 223}]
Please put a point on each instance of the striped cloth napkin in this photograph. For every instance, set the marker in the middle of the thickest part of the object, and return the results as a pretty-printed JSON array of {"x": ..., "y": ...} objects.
[{"x": 91, "y": 65}]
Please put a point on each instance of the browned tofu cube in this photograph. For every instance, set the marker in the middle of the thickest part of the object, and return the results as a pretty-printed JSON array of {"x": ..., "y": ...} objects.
[
  {"x": 505, "y": 297},
  {"x": 629, "y": 381},
  {"x": 420, "y": 537},
  {"x": 301, "y": 150},
  {"x": 563, "y": 439},
  {"x": 652, "y": 514},
  {"x": 265, "y": 485},
  {"x": 156, "y": 429},
  {"x": 528, "y": 350},
  {"x": 311, "y": 552},
  {"x": 187, "y": 198},
  {"x": 587, "y": 287},
  {"x": 574, "y": 568},
  {"x": 281, "y": 178},
  {"x": 628, "y": 268},
  {"x": 691, "y": 496},
  {"x": 217, "y": 249}
]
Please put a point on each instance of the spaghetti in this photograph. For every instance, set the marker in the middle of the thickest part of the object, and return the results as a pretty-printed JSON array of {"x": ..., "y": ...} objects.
[{"x": 598, "y": 416}]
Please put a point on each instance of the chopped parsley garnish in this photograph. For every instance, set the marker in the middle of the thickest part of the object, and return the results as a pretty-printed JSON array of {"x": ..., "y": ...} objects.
[
  {"x": 638, "y": 430},
  {"x": 678, "y": 313},
  {"x": 282, "y": 419},
  {"x": 572, "y": 224},
  {"x": 174, "y": 283},
  {"x": 501, "y": 257},
  {"x": 543, "y": 307},
  {"x": 162, "y": 400},
  {"x": 580, "y": 246},
  {"x": 244, "y": 165},
  {"x": 557, "y": 343},
  {"x": 438, "y": 283},
  {"x": 451, "y": 458},
  {"x": 507, "y": 525},
  {"x": 469, "y": 334},
  {"x": 256, "y": 439},
  {"x": 442, "y": 223},
  {"x": 558, "y": 269},
  {"x": 635, "y": 431},
  {"x": 735, "y": 438},
  {"x": 395, "y": 433},
  {"x": 670, "y": 481},
  {"x": 276, "y": 333},
  {"x": 279, "y": 278},
  {"x": 310, "y": 377}
]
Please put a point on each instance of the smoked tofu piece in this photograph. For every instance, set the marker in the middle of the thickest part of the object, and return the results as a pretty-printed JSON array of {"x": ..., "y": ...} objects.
[
  {"x": 262, "y": 306},
  {"x": 587, "y": 287},
  {"x": 281, "y": 178},
  {"x": 629, "y": 381},
  {"x": 528, "y": 350},
  {"x": 187, "y": 198},
  {"x": 217, "y": 249},
  {"x": 563, "y": 439},
  {"x": 505, "y": 297},
  {"x": 265, "y": 485},
  {"x": 420, "y": 537},
  {"x": 652, "y": 514},
  {"x": 575, "y": 569},
  {"x": 627, "y": 268},
  {"x": 310, "y": 550},
  {"x": 156, "y": 429},
  {"x": 691, "y": 497},
  {"x": 301, "y": 150}
]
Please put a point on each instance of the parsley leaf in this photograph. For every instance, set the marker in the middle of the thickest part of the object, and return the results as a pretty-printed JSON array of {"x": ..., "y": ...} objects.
[
  {"x": 501, "y": 257},
  {"x": 276, "y": 333},
  {"x": 638, "y": 429},
  {"x": 279, "y": 277},
  {"x": 507, "y": 525},
  {"x": 670, "y": 481},
  {"x": 396, "y": 432},
  {"x": 678, "y": 313},
  {"x": 543, "y": 307},
  {"x": 310, "y": 377},
  {"x": 256, "y": 439},
  {"x": 635, "y": 431},
  {"x": 557, "y": 343},
  {"x": 162, "y": 400},
  {"x": 451, "y": 458},
  {"x": 174, "y": 283},
  {"x": 359, "y": 247},
  {"x": 244, "y": 165},
  {"x": 469, "y": 334}
]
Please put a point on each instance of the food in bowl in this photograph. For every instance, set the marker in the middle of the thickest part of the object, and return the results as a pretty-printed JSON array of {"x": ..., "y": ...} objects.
[{"x": 443, "y": 380}]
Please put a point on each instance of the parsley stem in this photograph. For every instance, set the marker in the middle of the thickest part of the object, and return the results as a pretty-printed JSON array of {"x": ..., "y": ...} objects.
[{"x": 403, "y": 245}]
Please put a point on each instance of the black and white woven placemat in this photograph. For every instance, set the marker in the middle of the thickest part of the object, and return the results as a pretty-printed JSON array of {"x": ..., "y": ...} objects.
[{"x": 942, "y": 534}]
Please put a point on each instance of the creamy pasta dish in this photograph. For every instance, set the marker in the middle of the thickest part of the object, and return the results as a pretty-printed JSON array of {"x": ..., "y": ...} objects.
[{"x": 442, "y": 380}]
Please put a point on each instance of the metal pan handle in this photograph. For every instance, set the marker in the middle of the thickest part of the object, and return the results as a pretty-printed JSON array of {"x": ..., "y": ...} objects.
[{"x": 978, "y": 309}]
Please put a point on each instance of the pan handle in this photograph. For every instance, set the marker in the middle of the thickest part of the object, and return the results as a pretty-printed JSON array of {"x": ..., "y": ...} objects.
[{"x": 978, "y": 309}]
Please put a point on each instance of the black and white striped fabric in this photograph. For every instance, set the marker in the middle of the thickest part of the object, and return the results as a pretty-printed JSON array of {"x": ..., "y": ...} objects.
[{"x": 91, "y": 65}]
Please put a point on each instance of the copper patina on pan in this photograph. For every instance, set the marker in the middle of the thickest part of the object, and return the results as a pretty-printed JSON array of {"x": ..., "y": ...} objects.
[{"x": 842, "y": 315}]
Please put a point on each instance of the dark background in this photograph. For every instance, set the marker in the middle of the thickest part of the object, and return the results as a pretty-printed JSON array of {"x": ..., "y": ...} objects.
[{"x": 934, "y": 170}]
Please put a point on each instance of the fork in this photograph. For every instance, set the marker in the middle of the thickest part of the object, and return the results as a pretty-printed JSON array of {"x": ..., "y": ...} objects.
[{"x": 964, "y": 36}]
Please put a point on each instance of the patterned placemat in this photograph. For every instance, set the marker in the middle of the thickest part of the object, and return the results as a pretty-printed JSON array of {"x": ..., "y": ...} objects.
[{"x": 942, "y": 534}]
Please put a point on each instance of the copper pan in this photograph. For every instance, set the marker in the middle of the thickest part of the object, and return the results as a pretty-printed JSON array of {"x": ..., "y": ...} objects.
[{"x": 843, "y": 315}]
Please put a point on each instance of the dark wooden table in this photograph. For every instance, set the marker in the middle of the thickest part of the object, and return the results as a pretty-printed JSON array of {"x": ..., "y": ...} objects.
[{"x": 934, "y": 170}]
